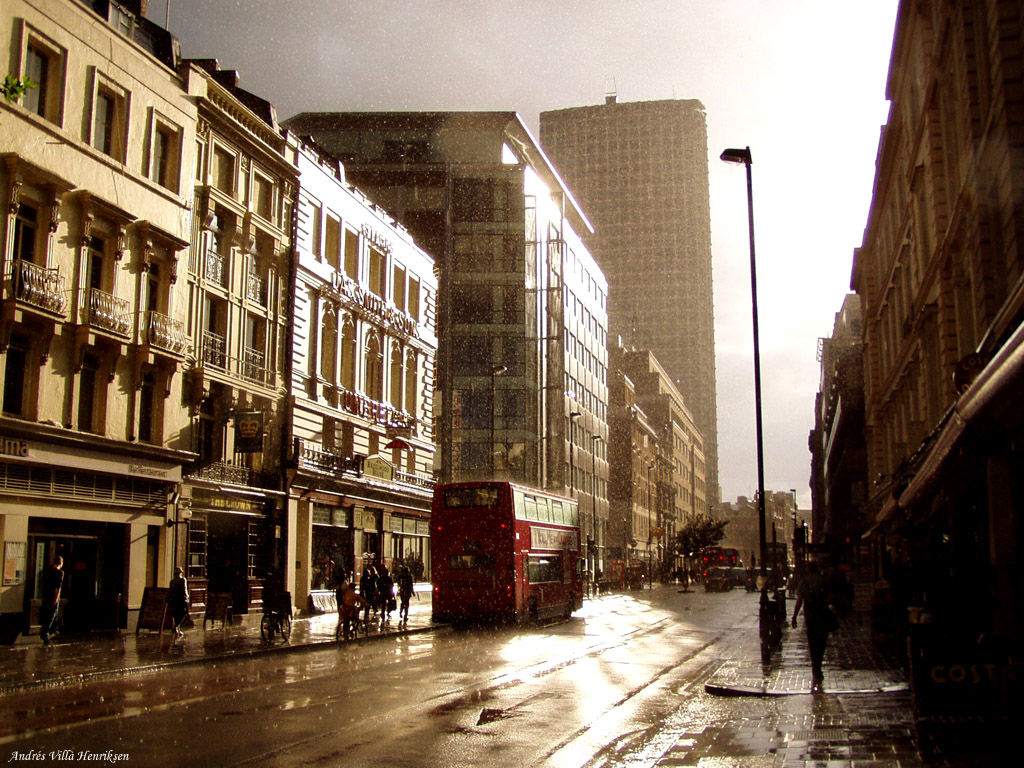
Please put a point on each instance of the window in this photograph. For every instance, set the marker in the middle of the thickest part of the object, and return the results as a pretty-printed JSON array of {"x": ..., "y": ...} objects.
[
  {"x": 352, "y": 254},
  {"x": 332, "y": 247},
  {"x": 148, "y": 403},
  {"x": 316, "y": 234},
  {"x": 164, "y": 153},
  {"x": 43, "y": 64},
  {"x": 414, "y": 298},
  {"x": 16, "y": 372},
  {"x": 396, "y": 376},
  {"x": 110, "y": 120},
  {"x": 348, "y": 355},
  {"x": 329, "y": 346},
  {"x": 87, "y": 389},
  {"x": 25, "y": 232},
  {"x": 120, "y": 20},
  {"x": 374, "y": 369},
  {"x": 410, "y": 384},
  {"x": 378, "y": 276},
  {"x": 263, "y": 197},
  {"x": 399, "y": 289},
  {"x": 224, "y": 170}
]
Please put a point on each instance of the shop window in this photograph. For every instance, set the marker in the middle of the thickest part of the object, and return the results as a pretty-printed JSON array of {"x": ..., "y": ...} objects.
[
  {"x": 197, "y": 547},
  {"x": 110, "y": 120}
]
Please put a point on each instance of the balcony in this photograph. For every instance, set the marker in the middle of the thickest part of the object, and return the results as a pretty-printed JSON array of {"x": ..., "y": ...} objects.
[
  {"x": 164, "y": 333},
  {"x": 235, "y": 474},
  {"x": 105, "y": 312},
  {"x": 37, "y": 287},
  {"x": 215, "y": 351},
  {"x": 254, "y": 368},
  {"x": 318, "y": 458},
  {"x": 216, "y": 269},
  {"x": 256, "y": 289}
]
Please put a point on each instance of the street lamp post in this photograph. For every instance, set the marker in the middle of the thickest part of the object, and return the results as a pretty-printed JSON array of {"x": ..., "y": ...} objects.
[
  {"x": 592, "y": 543},
  {"x": 743, "y": 157},
  {"x": 495, "y": 371}
]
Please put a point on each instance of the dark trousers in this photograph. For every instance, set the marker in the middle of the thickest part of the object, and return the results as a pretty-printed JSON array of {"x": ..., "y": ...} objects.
[
  {"x": 47, "y": 621},
  {"x": 816, "y": 642}
]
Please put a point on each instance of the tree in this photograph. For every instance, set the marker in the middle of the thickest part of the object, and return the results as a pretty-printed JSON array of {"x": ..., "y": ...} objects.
[
  {"x": 13, "y": 88},
  {"x": 700, "y": 532}
]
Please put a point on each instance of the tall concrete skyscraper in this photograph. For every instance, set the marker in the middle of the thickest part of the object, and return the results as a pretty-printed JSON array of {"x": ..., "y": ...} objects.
[{"x": 640, "y": 171}]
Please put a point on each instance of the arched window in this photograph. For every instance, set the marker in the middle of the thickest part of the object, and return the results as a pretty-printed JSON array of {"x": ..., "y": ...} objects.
[
  {"x": 396, "y": 375},
  {"x": 348, "y": 354},
  {"x": 374, "y": 368},
  {"x": 329, "y": 346},
  {"x": 410, "y": 384}
]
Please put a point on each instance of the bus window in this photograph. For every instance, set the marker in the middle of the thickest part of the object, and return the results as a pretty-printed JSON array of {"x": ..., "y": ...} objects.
[
  {"x": 465, "y": 562},
  {"x": 574, "y": 515},
  {"x": 531, "y": 508},
  {"x": 485, "y": 496},
  {"x": 545, "y": 569},
  {"x": 543, "y": 513},
  {"x": 556, "y": 512},
  {"x": 520, "y": 506}
]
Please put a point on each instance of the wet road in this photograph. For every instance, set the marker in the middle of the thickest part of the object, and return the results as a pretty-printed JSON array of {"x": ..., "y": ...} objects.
[{"x": 583, "y": 692}]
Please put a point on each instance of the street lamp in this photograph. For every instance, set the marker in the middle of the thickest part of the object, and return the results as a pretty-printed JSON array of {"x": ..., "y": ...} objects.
[
  {"x": 743, "y": 157},
  {"x": 495, "y": 371}
]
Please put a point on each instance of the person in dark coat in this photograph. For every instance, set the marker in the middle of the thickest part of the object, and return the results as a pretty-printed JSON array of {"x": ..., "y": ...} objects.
[
  {"x": 368, "y": 588},
  {"x": 385, "y": 593},
  {"x": 812, "y": 594},
  {"x": 52, "y": 581},
  {"x": 178, "y": 599},
  {"x": 405, "y": 589}
]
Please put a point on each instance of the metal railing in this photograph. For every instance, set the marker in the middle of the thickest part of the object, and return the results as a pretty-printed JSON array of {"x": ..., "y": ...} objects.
[
  {"x": 312, "y": 455},
  {"x": 254, "y": 368},
  {"x": 215, "y": 350},
  {"x": 256, "y": 289},
  {"x": 228, "y": 472},
  {"x": 164, "y": 332},
  {"x": 216, "y": 268},
  {"x": 106, "y": 311},
  {"x": 38, "y": 286}
]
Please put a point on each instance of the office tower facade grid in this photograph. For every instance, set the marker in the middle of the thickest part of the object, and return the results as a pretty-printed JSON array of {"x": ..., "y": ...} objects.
[{"x": 640, "y": 171}]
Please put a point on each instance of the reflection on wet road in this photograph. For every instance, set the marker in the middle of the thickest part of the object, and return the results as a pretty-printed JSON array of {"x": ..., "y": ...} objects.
[{"x": 485, "y": 696}]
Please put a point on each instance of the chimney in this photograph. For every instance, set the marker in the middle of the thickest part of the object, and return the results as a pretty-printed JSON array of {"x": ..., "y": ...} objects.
[{"x": 609, "y": 89}]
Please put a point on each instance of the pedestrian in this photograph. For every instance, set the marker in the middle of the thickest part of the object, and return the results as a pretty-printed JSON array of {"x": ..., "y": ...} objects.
[
  {"x": 405, "y": 590},
  {"x": 52, "y": 581},
  {"x": 385, "y": 593},
  {"x": 178, "y": 598},
  {"x": 368, "y": 588},
  {"x": 812, "y": 594}
]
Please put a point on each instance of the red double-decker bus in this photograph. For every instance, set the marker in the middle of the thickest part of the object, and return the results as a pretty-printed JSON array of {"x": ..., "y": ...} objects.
[{"x": 501, "y": 551}]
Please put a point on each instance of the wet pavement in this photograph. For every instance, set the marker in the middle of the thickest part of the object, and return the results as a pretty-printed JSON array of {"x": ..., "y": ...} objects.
[{"x": 29, "y": 665}]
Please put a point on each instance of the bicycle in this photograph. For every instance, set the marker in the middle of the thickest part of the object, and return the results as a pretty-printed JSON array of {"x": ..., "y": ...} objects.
[
  {"x": 277, "y": 618},
  {"x": 350, "y": 624}
]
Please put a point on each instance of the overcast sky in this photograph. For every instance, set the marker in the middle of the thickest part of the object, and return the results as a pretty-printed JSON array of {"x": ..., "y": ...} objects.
[{"x": 801, "y": 82}]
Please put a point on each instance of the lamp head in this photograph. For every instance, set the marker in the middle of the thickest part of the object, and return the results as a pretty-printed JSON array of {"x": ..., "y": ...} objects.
[
  {"x": 737, "y": 156},
  {"x": 498, "y": 370}
]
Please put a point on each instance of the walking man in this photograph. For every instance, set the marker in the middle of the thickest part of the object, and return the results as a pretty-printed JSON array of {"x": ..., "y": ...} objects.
[
  {"x": 53, "y": 580},
  {"x": 813, "y": 596}
]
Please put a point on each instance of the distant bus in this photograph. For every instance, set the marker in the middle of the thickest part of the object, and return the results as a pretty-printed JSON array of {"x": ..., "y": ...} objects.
[
  {"x": 502, "y": 551},
  {"x": 718, "y": 557}
]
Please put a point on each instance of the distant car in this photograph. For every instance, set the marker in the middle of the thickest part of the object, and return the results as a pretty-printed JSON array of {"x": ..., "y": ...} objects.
[{"x": 718, "y": 580}]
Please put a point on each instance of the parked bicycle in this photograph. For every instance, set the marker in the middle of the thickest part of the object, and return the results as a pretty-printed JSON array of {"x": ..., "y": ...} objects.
[{"x": 277, "y": 617}]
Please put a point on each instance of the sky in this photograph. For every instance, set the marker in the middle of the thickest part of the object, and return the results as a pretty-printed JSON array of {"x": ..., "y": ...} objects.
[{"x": 801, "y": 82}]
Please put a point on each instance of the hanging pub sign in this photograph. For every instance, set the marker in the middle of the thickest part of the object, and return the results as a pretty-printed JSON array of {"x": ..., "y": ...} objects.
[{"x": 249, "y": 432}]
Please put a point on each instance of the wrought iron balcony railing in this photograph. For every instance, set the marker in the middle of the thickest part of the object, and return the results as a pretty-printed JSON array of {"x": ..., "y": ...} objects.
[
  {"x": 256, "y": 289},
  {"x": 215, "y": 351},
  {"x": 164, "y": 332},
  {"x": 37, "y": 286},
  {"x": 216, "y": 268},
  {"x": 106, "y": 311}
]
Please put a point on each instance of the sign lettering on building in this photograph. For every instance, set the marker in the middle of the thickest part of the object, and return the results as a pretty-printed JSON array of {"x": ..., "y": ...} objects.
[
  {"x": 380, "y": 468},
  {"x": 11, "y": 447}
]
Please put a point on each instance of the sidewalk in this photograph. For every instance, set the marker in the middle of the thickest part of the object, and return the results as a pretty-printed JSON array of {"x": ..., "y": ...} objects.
[
  {"x": 29, "y": 665},
  {"x": 852, "y": 664}
]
